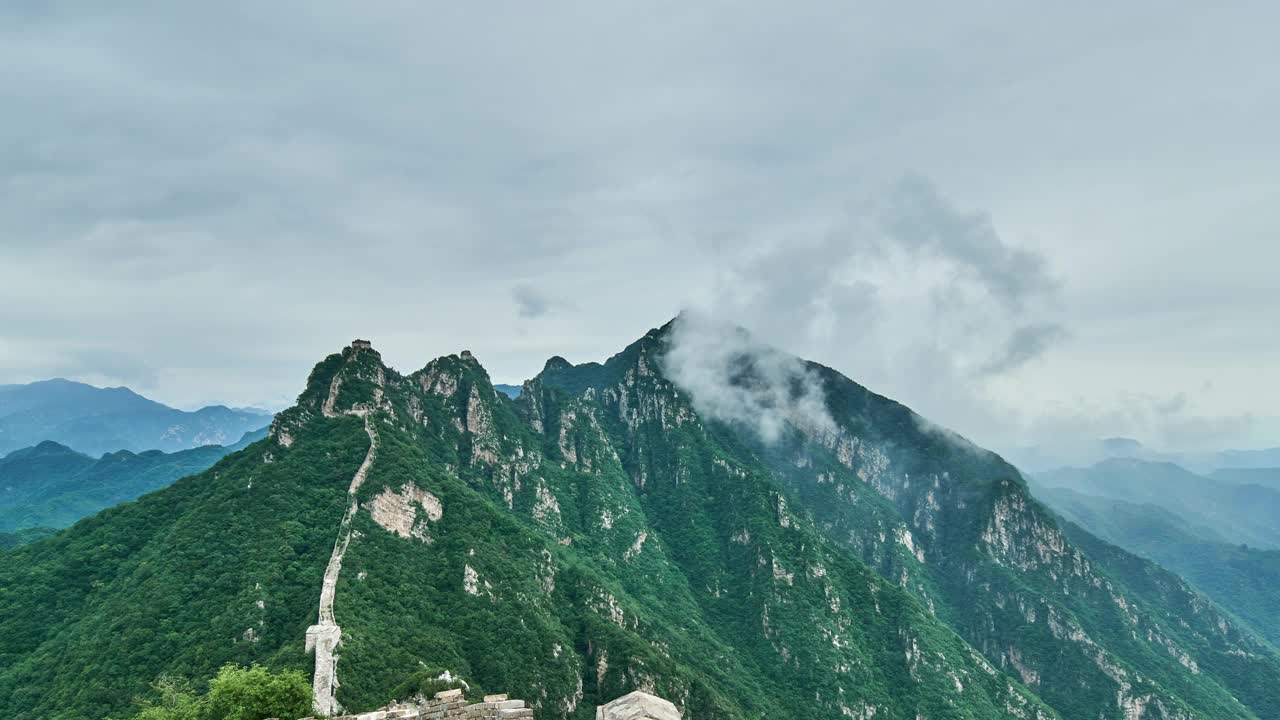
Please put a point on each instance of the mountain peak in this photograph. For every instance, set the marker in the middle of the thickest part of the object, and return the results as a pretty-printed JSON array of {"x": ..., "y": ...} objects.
[
  {"x": 631, "y": 522},
  {"x": 556, "y": 363}
]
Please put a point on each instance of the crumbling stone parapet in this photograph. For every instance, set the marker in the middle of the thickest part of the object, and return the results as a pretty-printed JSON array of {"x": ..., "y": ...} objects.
[
  {"x": 448, "y": 705},
  {"x": 638, "y": 706},
  {"x": 453, "y": 705}
]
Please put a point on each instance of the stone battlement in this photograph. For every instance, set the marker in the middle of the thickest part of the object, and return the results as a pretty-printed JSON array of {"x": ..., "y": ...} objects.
[{"x": 449, "y": 704}]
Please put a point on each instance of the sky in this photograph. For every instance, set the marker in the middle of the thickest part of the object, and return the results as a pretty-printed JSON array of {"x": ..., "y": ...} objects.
[{"x": 1031, "y": 224}]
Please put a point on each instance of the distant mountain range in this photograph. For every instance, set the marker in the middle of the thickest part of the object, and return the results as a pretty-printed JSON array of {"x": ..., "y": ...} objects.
[
  {"x": 511, "y": 391},
  {"x": 1266, "y": 477},
  {"x": 1236, "y": 513},
  {"x": 747, "y": 533},
  {"x": 1194, "y": 525},
  {"x": 96, "y": 421},
  {"x": 51, "y": 486},
  {"x": 1040, "y": 458}
]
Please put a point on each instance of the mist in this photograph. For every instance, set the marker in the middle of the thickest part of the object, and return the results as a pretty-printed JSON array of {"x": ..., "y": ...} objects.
[{"x": 733, "y": 377}]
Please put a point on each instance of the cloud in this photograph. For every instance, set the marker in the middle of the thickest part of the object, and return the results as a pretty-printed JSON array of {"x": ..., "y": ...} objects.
[
  {"x": 903, "y": 292},
  {"x": 1025, "y": 344},
  {"x": 232, "y": 222},
  {"x": 1168, "y": 427},
  {"x": 913, "y": 216},
  {"x": 1179, "y": 420},
  {"x": 530, "y": 302},
  {"x": 734, "y": 378}
]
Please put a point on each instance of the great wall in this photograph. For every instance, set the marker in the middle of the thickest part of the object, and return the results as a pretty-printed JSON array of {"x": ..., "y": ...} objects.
[
  {"x": 324, "y": 637},
  {"x": 449, "y": 704}
]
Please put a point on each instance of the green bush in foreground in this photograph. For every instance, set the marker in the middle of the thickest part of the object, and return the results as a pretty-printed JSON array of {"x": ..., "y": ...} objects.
[{"x": 237, "y": 693}]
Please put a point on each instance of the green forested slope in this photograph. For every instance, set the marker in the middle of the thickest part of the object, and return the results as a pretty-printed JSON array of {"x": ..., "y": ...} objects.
[
  {"x": 51, "y": 485},
  {"x": 599, "y": 534},
  {"x": 1241, "y": 579}
]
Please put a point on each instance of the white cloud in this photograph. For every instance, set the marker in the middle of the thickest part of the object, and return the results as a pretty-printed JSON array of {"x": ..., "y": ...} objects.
[
  {"x": 733, "y": 377},
  {"x": 224, "y": 219}
]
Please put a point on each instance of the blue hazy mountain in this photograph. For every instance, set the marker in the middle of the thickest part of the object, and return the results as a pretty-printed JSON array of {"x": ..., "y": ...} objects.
[
  {"x": 1265, "y": 476},
  {"x": 95, "y": 420},
  {"x": 1237, "y": 513},
  {"x": 511, "y": 391},
  {"x": 51, "y": 486},
  {"x": 1042, "y": 458}
]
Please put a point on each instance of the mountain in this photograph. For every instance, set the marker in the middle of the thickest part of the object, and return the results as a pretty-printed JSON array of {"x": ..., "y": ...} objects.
[
  {"x": 1042, "y": 458},
  {"x": 511, "y": 391},
  {"x": 1245, "y": 459},
  {"x": 1237, "y": 513},
  {"x": 746, "y": 534},
  {"x": 51, "y": 485},
  {"x": 96, "y": 420},
  {"x": 1266, "y": 477},
  {"x": 1240, "y": 579},
  {"x": 10, "y": 540}
]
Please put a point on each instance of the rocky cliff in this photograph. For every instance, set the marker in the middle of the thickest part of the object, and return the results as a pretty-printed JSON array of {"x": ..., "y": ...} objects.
[{"x": 754, "y": 537}]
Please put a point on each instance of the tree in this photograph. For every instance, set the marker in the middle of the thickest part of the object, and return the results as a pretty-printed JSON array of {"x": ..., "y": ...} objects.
[
  {"x": 256, "y": 693},
  {"x": 175, "y": 701}
]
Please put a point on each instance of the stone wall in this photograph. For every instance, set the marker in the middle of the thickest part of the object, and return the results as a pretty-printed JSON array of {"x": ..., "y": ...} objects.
[{"x": 450, "y": 704}]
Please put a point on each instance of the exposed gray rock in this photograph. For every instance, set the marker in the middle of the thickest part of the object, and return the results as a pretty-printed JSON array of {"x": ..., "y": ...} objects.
[{"x": 638, "y": 706}]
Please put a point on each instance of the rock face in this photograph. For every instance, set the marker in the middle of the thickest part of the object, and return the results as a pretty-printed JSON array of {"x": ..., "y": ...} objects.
[
  {"x": 638, "y": 706},
  {"x": 607, "y": 532}
]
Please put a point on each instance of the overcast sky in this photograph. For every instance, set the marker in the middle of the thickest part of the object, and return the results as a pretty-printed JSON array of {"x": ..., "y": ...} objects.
[{"x": 1028, "y": 224}]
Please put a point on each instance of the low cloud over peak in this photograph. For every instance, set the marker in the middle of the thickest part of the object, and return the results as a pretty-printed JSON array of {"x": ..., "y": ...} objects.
[{"x": 735, "y": 378}]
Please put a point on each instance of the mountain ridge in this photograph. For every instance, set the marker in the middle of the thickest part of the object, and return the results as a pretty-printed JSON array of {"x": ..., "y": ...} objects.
[
  {"x": 50, "y": 485},
  {"x": 601, "y": 533},
  {"x": 1240, "y": 579},
  {"x": 97, "y": 420},
  {"x": 1241, "y": 513}
]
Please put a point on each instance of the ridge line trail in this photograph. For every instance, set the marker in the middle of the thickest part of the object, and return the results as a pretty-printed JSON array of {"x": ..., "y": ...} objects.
[{"x": 324, "y": 637}]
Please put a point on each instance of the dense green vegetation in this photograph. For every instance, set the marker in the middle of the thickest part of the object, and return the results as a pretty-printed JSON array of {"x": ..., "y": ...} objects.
[
  {"x": 1241, "y": 579},
  {"x": 170, "y": 583},
  {"x": 96, "y": 420},
  {"x": 597, "y": 535},
  {"x": 51, "y": 485},
  {"x": 236, "y": 693},
  {"x": 10, "y": 540},
  {"x": 995, "y": 566}
]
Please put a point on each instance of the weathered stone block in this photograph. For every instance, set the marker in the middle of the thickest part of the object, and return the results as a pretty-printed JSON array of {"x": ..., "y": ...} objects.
[{"x": 638, "y": 706}]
